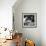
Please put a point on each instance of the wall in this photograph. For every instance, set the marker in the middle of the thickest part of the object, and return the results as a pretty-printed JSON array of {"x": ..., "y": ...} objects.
[
  {"x": 43, "y": 22},
  {"x": 6, "y": 13},
  {"x": 28, "y": 6}
]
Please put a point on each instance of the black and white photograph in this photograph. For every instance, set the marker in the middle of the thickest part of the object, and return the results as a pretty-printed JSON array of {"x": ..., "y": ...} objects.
[{"x": 29, "y": 20}]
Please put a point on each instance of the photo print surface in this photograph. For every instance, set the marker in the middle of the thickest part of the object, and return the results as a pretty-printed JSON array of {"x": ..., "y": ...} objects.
[{"x": 29, "y": 19}]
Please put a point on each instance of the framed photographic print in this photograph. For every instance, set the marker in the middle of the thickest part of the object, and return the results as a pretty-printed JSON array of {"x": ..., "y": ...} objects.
[{"x": 29, "y": 20}]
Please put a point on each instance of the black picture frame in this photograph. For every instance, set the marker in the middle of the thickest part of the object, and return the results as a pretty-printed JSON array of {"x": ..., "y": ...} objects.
[{"x": 29, "y": 20}]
